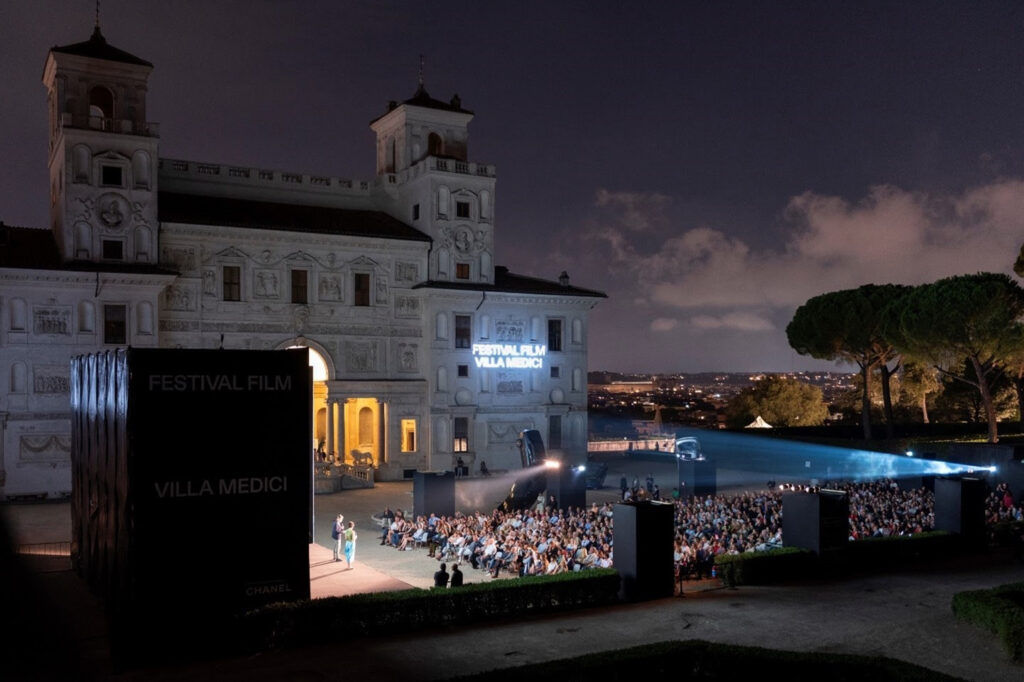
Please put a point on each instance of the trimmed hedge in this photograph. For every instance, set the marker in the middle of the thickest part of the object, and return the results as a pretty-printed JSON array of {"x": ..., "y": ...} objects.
[
  {"x": 701, "y": 660},
  {"x": 332, "y": 619},
  {"x": 868, "y": 555},
  {"x": 999, "y": 610},
  {"x": 765, "y": 568}
]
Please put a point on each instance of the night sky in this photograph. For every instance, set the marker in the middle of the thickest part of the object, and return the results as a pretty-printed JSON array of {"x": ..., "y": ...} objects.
[{"x": 710, "y": 166}]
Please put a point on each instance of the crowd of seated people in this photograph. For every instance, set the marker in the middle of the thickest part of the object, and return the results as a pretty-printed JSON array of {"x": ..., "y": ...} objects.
[
  {"x": 546, "y": 540},
  {"x": 1000, "y": 505}
]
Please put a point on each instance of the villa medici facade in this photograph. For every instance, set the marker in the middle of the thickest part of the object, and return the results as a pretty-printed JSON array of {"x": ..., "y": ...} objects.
[{"x": 424, "y": 350}]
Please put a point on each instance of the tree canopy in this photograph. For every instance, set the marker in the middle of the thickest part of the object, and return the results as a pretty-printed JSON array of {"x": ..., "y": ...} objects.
[
  {"x": 973, "y": 318},
  {"x": 779, "y": 401},
  {"x": 846, "y": 326}
]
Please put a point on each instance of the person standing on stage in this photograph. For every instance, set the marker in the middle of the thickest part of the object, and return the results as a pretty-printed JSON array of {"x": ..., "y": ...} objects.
[
  {"x": 350, "y": 543},
  {"x": 338, "y": 535}
]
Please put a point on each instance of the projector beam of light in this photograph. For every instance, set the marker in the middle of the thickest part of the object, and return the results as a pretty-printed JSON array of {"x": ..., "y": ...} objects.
[{"x": 808, "y": 460}]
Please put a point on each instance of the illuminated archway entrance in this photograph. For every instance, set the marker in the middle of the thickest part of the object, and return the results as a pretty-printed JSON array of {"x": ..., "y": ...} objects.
[
  {"x": 363, "y": 419},
  {"x": 319, "y": 426}
]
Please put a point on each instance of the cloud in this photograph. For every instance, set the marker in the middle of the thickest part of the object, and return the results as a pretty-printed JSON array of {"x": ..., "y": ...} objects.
[
  {"x": 725, "y": 296},
  {"x": 739, "y": 321},
  {"x": 635, "y": 211},
  {"x": 664, "y": 324},
  {"x": 828, "y": 243}
]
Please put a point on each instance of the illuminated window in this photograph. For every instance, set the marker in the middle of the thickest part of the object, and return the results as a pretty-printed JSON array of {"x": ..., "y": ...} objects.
[
  {"x": 115, "y": 324},
  {"x": 361, "y": 285},
  {"x": 462, "y": 271},
  {"x": 463, "y": 331},
  {"x": 300, "y": 286},
  {"x": 232, "y": 283},
  {"x": 408, "y": 435},
  {"x": 554, "y": 335},
  {"x": 460, "y": 434},
  {"x": 461, "y": 209}
]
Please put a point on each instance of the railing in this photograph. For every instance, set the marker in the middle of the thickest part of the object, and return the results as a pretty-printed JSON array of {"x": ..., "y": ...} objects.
[
  {"x": 462, "y": 167},
  {"x": 663, "y": 444},
  {"x": 329, "y": 470},
  {"x": 259, "y": 176},
  {"x": 111, "y": 125}
]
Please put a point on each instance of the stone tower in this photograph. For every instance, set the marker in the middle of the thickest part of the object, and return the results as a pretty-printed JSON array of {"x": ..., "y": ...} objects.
[{"x": 102, "y": 154}]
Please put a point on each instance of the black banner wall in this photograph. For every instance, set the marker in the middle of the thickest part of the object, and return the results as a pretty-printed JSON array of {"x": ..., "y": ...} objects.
[{"x": 192, "y": 490}]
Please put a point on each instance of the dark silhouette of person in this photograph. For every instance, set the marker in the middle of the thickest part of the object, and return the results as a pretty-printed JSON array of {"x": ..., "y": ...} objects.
[
  {"x": 441, "y": 576},
  {"x": 456, "y": 576}
]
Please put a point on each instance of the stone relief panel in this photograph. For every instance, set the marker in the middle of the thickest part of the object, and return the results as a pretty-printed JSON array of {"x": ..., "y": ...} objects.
[
  {"x": 407, "y": 357},
  {"x": 180, "y": 297},
  {"x": 114, "y": 212},
  {"x": 51, "y": 320},
  {"x": 381, "y": 283},
  {"x": 85, "y": 214},
  {"x": 139, "y": 213},
  {"x": 505, "y": 433},
  {"x": 267, "y": 284},
  {"x": 510, "y": 329},
  {"x": 209, "y": 282},
  {"x": 407, "y": 273},
  {"x": 44, "y": 448},
  {"x": 509, "y": 382},
  {"x": 330, "y": 288},
  {"x": 407, "y": 306},
  {"x": 181, "y": 258},
  {"x": 361, "y": 356},
  {"x": 51, "y": 379}
]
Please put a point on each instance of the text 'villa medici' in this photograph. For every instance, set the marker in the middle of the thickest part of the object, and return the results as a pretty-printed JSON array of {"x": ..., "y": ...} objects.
[
  {"x": 223, "y": 486},
  {"x": 219, "y": 382},
  {"x": 510, "y": 355}
]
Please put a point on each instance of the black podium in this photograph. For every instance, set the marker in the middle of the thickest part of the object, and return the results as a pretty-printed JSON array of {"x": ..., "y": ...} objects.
[
  {"x": 960, "y": 506},
  {"x": 643, "y": 537},
  {"x": 568, "y": 485},
  {"x": 816, "y": 521},
  {"x": 433, "y": 492},
  {"x": 697, "y": 477}
]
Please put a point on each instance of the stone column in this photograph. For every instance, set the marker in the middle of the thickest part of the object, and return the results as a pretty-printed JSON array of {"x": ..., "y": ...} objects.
[
  {"x": 331, "y": 449},
  {"x": 339, "y": 429}
]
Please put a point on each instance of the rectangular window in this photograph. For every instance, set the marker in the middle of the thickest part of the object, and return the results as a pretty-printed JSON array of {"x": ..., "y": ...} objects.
[
  {"x": 554, "y": 335},
  {"x": 460, "y": 434},
  {"x": 415, "y": 211},
  {"x": 461, "y": 209},
  {"x": 112, "y": 176},
  {"x": 463, "y": 331},
  {"x": 115, "y": 324},
  {"x": 408, "y": 435},
  {"x": 232, "y": 283},
  {"x": 555, "y": 372},
  {"x": 462, "y": 271},
  {"x": 555, "y": 432},
  {"x": 361, "y": 285},
  {"x": 300, "y": 286},
  {"x": 113, "y": 249},
  {"x": 463, "y": 370}
]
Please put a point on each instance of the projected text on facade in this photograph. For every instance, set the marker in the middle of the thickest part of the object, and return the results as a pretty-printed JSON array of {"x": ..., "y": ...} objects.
[{"x": 510, "y": 355}]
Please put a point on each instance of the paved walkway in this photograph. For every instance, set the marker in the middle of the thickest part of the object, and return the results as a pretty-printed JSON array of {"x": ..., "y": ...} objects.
[{"x": 906, "y": 615}]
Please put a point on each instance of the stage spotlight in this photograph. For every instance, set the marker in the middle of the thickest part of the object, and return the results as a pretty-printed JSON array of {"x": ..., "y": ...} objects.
[
  {"x": 910, "y": 453},
  {"x": 581, "y": 468},
  {"x": 552, "y": 463}
]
